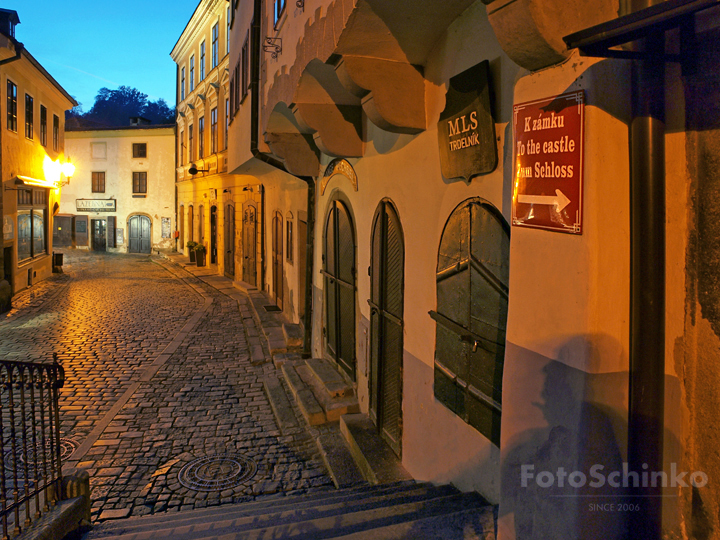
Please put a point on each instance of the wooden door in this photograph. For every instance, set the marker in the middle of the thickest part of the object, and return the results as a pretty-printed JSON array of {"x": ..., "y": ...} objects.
[
  {"x": 250, "y": 245},
  {"x": 277, "y": 258},
  {"x": 229, "y": 240},
  {"x": 139, "y": 236},
  {"x": 386, "y": 324},
  {"x": 339, "y": 272}
]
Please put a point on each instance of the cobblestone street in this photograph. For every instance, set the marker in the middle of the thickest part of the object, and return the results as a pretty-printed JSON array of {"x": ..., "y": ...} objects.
[{"x": 161, "y": 403}]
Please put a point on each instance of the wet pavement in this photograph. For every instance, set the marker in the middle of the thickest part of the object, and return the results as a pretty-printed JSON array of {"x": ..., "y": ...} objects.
[{"x": 161, "y": 404}]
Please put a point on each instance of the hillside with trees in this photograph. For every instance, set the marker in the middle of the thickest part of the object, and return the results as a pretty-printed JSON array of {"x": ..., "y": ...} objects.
[{"x": 114, "y": 108}]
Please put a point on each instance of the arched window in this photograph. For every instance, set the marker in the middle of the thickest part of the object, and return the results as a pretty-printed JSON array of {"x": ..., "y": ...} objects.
[{"x": 472, "y": 301}]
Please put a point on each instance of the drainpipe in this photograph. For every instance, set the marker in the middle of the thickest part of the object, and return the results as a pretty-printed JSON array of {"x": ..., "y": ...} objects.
[
  {"x": 5, "y": 285},
  {"x": 647, "y": 276},
  {"x": 309, "y": 180}
]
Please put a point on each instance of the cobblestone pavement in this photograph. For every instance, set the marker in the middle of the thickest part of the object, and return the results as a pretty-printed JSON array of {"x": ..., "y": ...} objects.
[{"x": 159, "y": 383}]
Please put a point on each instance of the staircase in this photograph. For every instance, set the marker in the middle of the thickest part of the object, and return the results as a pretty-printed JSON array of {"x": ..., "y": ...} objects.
[{"x": 403, "y": 510}]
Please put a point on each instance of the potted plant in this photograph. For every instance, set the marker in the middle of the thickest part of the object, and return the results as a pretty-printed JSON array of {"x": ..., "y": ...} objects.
[
  {"x": 191, "y": 250},
  {"x": 200, "y": 254}
]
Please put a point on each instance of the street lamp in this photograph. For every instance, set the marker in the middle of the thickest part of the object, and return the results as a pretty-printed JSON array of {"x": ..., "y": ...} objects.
[{"x": 193, "y": 170}]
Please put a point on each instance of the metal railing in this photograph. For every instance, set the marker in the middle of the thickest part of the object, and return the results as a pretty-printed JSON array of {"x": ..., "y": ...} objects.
[{"x": 30, "y": 466}]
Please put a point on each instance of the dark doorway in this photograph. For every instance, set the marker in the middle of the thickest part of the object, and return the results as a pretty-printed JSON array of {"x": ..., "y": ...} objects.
[
  {"x": 250, "y": 245},
  {"x": 62, "y": 233},
  {"x": 213, "y": 235},
  {"x": 302, "y": 261},
  {"x": 140, "y": 239},
  {"x": 8, "y": 266},
  {"x": 229, "y": 239},
  {"x": 277, "y": 258},
  {"x": 191, "y": 225},
  {"x": 386, "y": 324},
  {"x": 182, "y": 227},
  {"x": 339, "y": 272},
  {"x": 99, "y": 240}
]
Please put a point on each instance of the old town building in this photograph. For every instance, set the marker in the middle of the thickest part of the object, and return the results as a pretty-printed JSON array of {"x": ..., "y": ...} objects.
[
  {"x": 122, "y": 196},
  {"x": 492, "y": 223},
  {"x": 31, "y": 161}
]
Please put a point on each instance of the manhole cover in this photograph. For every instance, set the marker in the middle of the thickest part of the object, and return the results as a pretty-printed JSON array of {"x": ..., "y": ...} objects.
[
  {"x": 217, "y": 472},
  {"x": 67, "y": 447}
]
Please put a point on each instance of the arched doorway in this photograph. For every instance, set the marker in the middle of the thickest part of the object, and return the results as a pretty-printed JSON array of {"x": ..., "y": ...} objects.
[
  {"x": 339, "y": 272},
  {"x": 277, "y": 258},
  {"x": 229, "y": 239},
  {"x": 472, "y": 303},
  {"x": 140, "y": 234},
  {"x": 213, "y": 235},
  {"x": 386, "y": 324},
  {"x": 250, "y": 243}
]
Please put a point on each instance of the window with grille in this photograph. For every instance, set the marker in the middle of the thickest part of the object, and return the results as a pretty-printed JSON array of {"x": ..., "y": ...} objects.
[
  {"x": 43, "y": 125},
  {"x": 29, "y": 113},
  {"x": 215, "y": 44},
  {"x": 98, "y": 182},
  {"x": 139, "y": 183},
  {"x": 472, "y": 302},
  {"x": 213, "y": 130},
  {"x": 11, "y": 106},
  {"x": 139, "y": 150}
]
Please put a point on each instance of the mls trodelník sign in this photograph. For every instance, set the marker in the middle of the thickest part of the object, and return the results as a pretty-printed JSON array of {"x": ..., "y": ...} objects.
[{"x": 548, "y": 164}]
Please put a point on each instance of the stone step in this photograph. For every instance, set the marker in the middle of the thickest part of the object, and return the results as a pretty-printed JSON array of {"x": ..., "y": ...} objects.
[
  {"x": 293, "y": 334},
  {"x": 267, "y": 504},
  {"x": 305, "y": 399},
  {"x": 280, "y": 404},
  {"x": 312, "y": 524},
  {"x": 334, "y": 407},
  {"x": 281, "y": 358},
  {"x": 478, "y": 523},
  {"x": 338, "y": 459},
  {"x": 375, "y": 459},
  {"x": 330, "y": 379}
]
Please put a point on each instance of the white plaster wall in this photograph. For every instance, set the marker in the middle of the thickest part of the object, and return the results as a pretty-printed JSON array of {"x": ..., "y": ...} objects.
[{"x": 118, "y": 167}]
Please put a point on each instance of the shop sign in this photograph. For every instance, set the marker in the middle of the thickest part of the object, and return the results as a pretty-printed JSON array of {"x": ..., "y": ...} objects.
[
  {"x": 548, "y": 163},
  {"x": 466, "y": 130},
  {"x": 95, "y": 205},
  {"x": 8, "y": 228}
]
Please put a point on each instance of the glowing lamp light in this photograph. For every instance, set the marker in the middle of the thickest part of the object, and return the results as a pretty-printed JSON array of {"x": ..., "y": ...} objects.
[
  {"x": 68, "y": 169},
  {"x": 52, "y": 170}
]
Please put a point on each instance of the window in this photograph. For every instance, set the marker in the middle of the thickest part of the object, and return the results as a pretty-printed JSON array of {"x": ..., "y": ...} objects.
[
  {"x": 191, "y": 154},
  {"x": 43, "y": 125},
  {"x": 202, "y": 60},
  {"x": 245, "y": 61},
  {"x": 232, "y": 93},
  {"x": 98, "y": 182},
  {"x": 139, "y": 183},
  {"x": 56, "y": 132},
  {"x": 192, "y": 73},
  {"x": 227, "y": 33},
  {"x": 139, "y": 150},
  {"x": 215, "y": 44},
  {"x": 29, "y": 108},
  {"x": 227, "y": 122},
  {"x": 238, "y": 84},
  {"x": 32, "y": 209},
  {"x": 201, "y": 137},
  {"x": 213, "y": 131},
  {"x": 11, "y": 106},
  {"x": 279, "y": 9},
  {"x": 289, "y": 243},
  {"x": 472, "y": 301},
  {"x": 182, "y": 84},
  {"x": 182, "y": 148}
]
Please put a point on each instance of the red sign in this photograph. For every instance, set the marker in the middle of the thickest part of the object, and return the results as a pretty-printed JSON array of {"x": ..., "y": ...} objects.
[{"x": 548, "y": 150}]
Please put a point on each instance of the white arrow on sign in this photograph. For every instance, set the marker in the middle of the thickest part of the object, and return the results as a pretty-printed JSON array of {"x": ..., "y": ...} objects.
[{"x": 560, "y": 200}]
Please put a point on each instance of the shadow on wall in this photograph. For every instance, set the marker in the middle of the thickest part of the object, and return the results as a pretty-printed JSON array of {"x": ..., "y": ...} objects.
[{"x": 566, "y": 434}]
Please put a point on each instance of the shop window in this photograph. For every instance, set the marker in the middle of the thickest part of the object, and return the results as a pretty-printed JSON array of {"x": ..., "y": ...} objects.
[
  {"x": 98, "y": 182},
  {"x": 11, "y": 106},
  {"x": 140, "y": 183},
  {"x": 31, "y": 227},
  {"x": 472, "y": 298},
  {"x": 139, "y": 150}
]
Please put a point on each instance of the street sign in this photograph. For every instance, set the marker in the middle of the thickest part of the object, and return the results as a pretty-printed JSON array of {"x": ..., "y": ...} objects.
[{"x": 548, "y": 164}]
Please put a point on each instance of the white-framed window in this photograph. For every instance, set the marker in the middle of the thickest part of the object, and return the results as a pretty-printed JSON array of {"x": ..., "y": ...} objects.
[
  {"x": 192, "y": 73},
  {"x": 202, "y": 61},
  {"x": 182, "y": 83},
  {"x": 215, "y": 44}
]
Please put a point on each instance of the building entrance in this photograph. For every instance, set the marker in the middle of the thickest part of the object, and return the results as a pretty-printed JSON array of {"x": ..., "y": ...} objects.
[{"x": 99, "y": 236}]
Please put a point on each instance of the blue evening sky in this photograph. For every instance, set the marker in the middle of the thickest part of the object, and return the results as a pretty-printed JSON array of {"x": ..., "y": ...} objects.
[{"x": 89, "y": 44}]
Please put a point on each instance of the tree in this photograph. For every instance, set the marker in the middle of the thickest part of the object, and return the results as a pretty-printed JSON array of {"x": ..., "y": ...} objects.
[{"x": 114, "y": 108}]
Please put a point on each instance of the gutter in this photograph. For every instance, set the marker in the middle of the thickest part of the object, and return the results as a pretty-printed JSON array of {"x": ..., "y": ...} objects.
[{"x": 309, "y": 180}]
